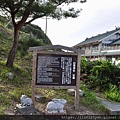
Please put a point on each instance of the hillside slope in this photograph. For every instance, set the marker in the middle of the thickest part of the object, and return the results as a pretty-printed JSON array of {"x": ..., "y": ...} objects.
[
  {"x": 12, "y": 89},
  {"x": 37, "y": 32}
]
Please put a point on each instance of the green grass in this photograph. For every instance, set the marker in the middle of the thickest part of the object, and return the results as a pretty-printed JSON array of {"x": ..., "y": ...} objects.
[
  {"x": 90, "y": 100},
  {"x": 2, "y": 109}
]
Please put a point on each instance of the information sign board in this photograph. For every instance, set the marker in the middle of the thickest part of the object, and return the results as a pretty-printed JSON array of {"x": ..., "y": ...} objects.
[{"x": 56, "y": 69}]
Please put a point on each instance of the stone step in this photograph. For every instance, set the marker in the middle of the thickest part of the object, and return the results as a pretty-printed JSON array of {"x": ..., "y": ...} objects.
[
  {"x": 113, "y": 107},
  {"x": 72, "y": 92},
  {"x": 28, "y": 110}
]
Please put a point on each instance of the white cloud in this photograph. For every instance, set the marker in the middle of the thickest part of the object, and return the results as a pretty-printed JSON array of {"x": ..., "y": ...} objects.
[{"x": 98, "y": 16}]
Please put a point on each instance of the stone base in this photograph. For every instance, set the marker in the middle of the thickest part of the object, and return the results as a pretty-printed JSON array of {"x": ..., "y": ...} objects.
[
  {"x": 28, "y": 110},
  {"x": 72, "y": 92},
  {"x": 40, "y": 98},
  {"x": 47, "y": 113}
]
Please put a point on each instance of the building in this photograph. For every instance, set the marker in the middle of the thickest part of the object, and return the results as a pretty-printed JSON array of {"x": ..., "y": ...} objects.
[{"x": 102, "y": 46}]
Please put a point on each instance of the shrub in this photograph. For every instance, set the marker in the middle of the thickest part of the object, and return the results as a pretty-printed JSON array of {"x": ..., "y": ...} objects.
[
  {"x": 100, "y": 73},
  {"x": 87, "y": 65},
  {"x": 112, "y": 93}
]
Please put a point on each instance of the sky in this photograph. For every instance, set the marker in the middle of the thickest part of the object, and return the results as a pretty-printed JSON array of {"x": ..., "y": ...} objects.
[{"x": 96, "y": 17}]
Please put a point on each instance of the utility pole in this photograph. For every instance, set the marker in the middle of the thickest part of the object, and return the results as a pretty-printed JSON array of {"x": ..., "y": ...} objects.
[{"x": 46, "y": 27}]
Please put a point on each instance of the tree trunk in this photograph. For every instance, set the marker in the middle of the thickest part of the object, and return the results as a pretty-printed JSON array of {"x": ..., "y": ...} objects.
[{"x": 11, "y": 55}]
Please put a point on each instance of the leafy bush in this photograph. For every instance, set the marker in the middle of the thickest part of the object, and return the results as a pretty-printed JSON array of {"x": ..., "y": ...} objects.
[
  {"x": 87, "y": 65},
  {"x": 27, "y": 41},
  {"x": 100, "y": 73},
  {"x": 113, "y": 93}
]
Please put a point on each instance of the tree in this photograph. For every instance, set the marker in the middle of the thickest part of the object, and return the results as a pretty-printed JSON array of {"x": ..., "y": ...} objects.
[{"x": 23, "y": 12}]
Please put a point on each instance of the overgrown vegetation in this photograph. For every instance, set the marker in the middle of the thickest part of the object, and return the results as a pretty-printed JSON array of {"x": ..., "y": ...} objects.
[
  {"x": 101, "y": 76},
  {"x": 113, "y": 93},
  {"x": 12, "y": 89},
  {"x": 90, "y": 100},
  {"x": 37, "y": 32}
]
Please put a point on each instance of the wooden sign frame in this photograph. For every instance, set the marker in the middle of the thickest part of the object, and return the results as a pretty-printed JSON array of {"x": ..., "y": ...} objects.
[{"x": 56, "y": 50}]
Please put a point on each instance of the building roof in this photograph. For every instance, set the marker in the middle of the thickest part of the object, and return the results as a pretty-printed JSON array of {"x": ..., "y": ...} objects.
[
  {"x": 98, "y": 38},
  {"x": 115, "y": 42}
]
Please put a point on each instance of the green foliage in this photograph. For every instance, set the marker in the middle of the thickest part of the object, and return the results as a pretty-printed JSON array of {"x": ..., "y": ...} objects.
[
  {"x": 112, "y": 93},
  {"x": 26, "y": 42},
  {"x": 89, "y": 95},
  {"x": 84, "y": 64},
  {"x": 17, "y": 92},
  {"x": 3, "y": 20},
  {"x": 39, "y": 8},
  {"x": 2, "y": 109},
  {"x": 37, "y": 32},
  {"x": 34, "y": 37},
  {"x": 16, "y": 70},
  {"x": 4, "y": 99},
  {"x": 100, "y": 73},
  {"x": 87, "y": 65},
  {"x": 90, "y": 100}
]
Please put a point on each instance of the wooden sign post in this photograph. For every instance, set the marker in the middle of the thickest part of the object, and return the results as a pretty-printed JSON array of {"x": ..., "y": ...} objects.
[
  {"x": 53, "y": 67},
  {"x": 77, "y": 82}
]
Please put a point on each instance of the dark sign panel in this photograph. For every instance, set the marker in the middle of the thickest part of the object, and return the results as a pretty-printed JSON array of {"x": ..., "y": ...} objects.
[{"x": 58, "y": 70}]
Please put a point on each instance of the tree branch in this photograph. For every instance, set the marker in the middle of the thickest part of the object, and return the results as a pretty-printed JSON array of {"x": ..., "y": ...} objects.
[
  {"x": 19, "y": 5},
  {"x": 26, "y": 14},
  {"x": 61, "y": 2},
  {"x": 34, "y": 18}
]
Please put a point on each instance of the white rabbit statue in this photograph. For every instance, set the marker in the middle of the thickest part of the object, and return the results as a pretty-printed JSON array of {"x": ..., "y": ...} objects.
[
  {"x": 56, "y": 106},
  {"x": 26, "y": 101}
]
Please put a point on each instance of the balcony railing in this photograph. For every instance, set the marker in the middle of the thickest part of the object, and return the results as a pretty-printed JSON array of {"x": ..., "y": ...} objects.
[{"x": 111, "y": 48}]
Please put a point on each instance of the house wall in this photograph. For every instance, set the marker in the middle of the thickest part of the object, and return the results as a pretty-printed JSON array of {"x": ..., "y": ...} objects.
[
  {"x": 103, "y": 58},
  {"x": 101, "y": 47},
  {"x": 88, "y": 50},
  {"x": 91, "y": 48}
]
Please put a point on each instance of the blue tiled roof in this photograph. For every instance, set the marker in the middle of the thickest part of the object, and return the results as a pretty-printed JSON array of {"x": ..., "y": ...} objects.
[
  {"x": 115, "y": 42},
  {"x": 97, "y": 38}
]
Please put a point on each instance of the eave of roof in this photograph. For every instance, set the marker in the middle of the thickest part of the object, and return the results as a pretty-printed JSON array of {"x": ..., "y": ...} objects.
[
  {"x": 115, "y": 42},
  {"x": 99, "y": 37}
]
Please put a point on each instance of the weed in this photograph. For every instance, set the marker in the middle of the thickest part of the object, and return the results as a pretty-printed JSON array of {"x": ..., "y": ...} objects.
[
  {"x": 89, "y": 99},
  {"x": 4, "y": 99},
  {"x": 17, "y": 92},
  {"x": 113, "y": 93},
  {"x": 2, "y": 109}
]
